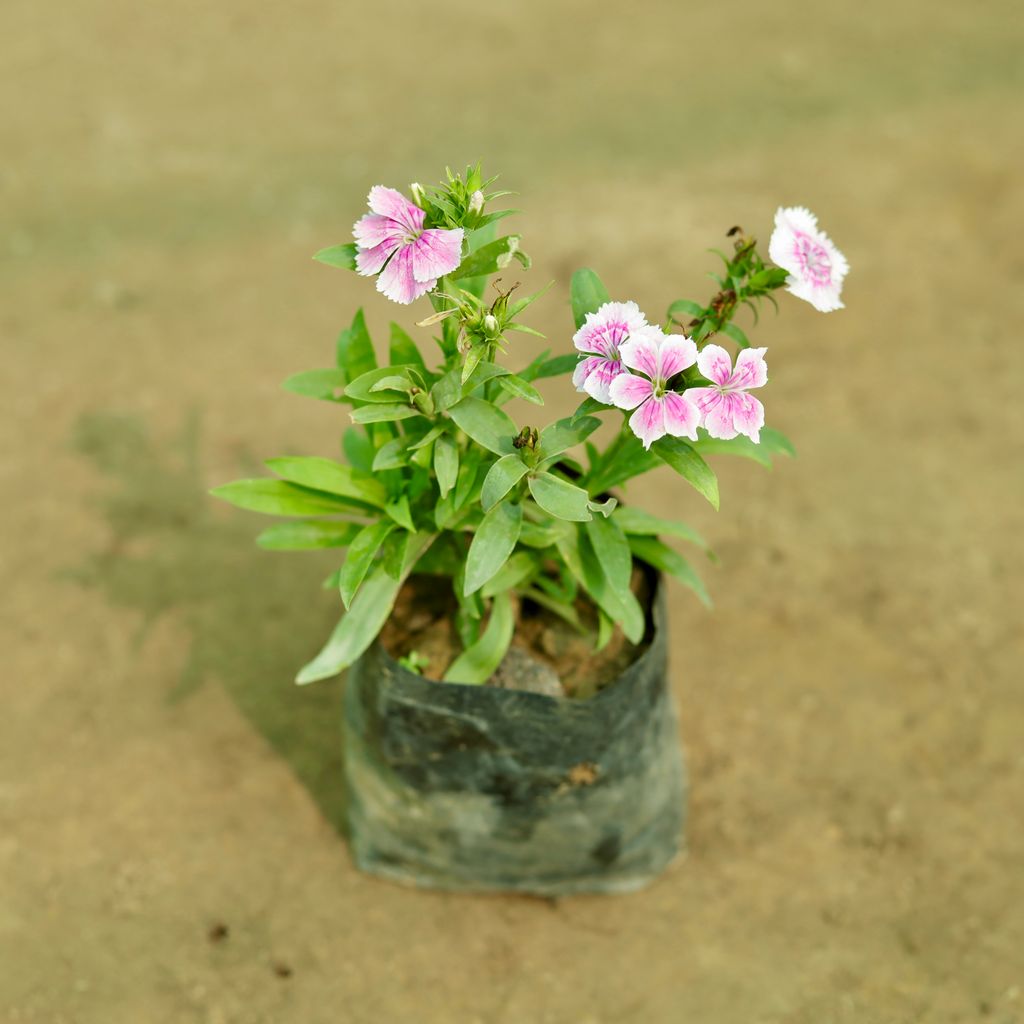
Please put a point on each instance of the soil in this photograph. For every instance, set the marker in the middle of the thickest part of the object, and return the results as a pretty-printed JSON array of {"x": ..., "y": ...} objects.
[
  {"x": 423, "y": 625},
  {"x": 852, "y": 709}
]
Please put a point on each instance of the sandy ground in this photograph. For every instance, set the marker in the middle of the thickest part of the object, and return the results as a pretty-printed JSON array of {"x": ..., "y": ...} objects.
[{"x": 853, "y": 709}]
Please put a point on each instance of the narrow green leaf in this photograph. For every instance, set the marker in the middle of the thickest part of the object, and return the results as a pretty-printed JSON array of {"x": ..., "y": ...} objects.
[
  {"x": 308, "y": 535},
  {"x": 519, "y": 388},
  {"x": 402, "y": 349},
  {"x": 737, "y": 335},
  {"x": 392, "y": 454},
  {"x": 446, "y": 464},
  {"x": 776, "y": 441},
  {"x": 520, "y": 567},
  {"x": 565, "y": 433},
  {"x": 686, "y": 306},
  {"x": 488, "y": 259},
  {"x": 501, "y": 478},
  {"x": 327, "y": 385},
  {"x": 588, "y": 294},
  {"x": 361, "y": 553},
  {"x": 343, "y": 256},
  {"x": 431, "y": 435},
  {"x": 399, "y": 511},
  {"x": 355, "y": 350},
  {"x": 586, "y": 408},
  {"x": 358, "y": 449},
  {"x": 770, "y": 277},
  {"x": 492, "y": 544},
  {"x": 612, "y": 550},
  {"x": 662, "y": 557},
  {"x": 479, "y": 662},
  {"x": 278, "y": 498},
  {"x": 330, "y": 476},
  {"x": 384, "y": 384},
  {"x": 739, "y": 445},
  {"x": 384, "y": 413},
  {"x": 485, "y": 424},
  {"x": 636, "y": 522},
  {"x": 682, "y": 457},
  {"x": 560, "y": 498}
]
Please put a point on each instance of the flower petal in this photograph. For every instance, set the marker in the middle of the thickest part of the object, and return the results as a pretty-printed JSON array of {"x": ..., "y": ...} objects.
[
  {"x": 705, "y": 399},
  {"x": 641, "y": 351},
  {"x": 751, "y": 370},
  {"x": 747, "y": 415},
  {"x": 373, "y": 229},
  {"x": 717, "y": 414},
  {"x": 370, "y": 261},
  {"x": 392, "y": 204},
  {"x": 677, "y": 353},
  {"x": 628, "y": 391},
  {"x": 596, "y": 375},
  {"x": 682, "y": 417},
  {"x": 715, "y": 364},
  {"x": 648, "y": 422},
  {"x": 436, "y": 252},
  {"x": 397, "y": 282},
  {"x": 606, "y": 329}
]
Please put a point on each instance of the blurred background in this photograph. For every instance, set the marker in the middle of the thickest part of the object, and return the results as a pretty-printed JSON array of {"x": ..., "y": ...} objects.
[{"x": 853, "y": 712}]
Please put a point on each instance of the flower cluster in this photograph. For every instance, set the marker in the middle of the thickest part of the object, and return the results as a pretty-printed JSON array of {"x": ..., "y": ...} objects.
[{"x": 439, "y": 478}]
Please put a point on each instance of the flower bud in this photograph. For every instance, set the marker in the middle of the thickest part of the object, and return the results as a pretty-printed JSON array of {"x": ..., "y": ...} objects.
[
  {"x": 419, "y": 196},
  {"x": 476, "y": 202},
  {"x": 490, "y": 326}
]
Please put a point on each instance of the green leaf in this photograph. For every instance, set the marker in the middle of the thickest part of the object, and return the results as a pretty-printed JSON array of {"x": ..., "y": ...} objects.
[
  {"x": 361, "y": 553},
  {"x": 360, "y": 626},
  {"x": 634, "y": 521},
  {"x": 612, "y": 550},
  {"x": 488, "y": 259},
  {"x": 540, "y": 537},
  {"x": 493, "y": 543},
  {"x": 277, "y": 498},
  {"x": 519, "y": 388},
  {"x": 623, "y": 461},
  {"x": 621, "y": 605},
  {"x": 399, "y": 511},
  {"x": 446, "y": 464},
  {"x": 374, "y": 385},
  {"x": 586, "y": 407},
  {"x": 384, "y": 413},
  {"x": 737, "y": 335},
  {"x": 776, "y": 441},
  {"x": 739, "y": 445},
  {"x": 560, "y": 498},
  {"x": 355, "y": 350},
  {"x": 689, "y": 465},
  {"x": 501, "y": 478},
  {"x": 662, "y": 557},
  {"x": 685, "y": 306},
  {"x": 431, "y": 435},
  {"x": 770, "y": 277},
  {"x": 358, "y": 449},
  {"x": 565, "y": 433},
  {"x": 343, "y": 256},
  {"x": 521, "y": 566},
  {"x": 479, "y": 662},
  {"x": 327, "y": 385},
  {"x": 402, "y": 349},
  {"x": 392, "y": 454},
  {"x": 588, "y": 294},
  {"x": 485, "y": 424},
  {"x": 330, "y": 476},
  {"x": 449, "y": 389},
  {"x": 308, "y": 535}
]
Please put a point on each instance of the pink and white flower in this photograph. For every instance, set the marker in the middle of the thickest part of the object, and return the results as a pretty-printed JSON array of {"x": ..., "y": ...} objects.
[
  {"x": 393, "y": 243},
  {"x": 602, "y": 335},
  {"x": 659, "y": 411},
  {"x": 816, "y": 267},
  {"x": 727, "y": 408}
]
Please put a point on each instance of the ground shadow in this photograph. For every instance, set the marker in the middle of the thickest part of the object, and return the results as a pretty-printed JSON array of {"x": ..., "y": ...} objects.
[{"x": 253, "y": 616}]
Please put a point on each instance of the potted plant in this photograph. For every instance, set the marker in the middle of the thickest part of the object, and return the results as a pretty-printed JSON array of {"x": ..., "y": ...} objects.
[{"x": 508, "y": 720}]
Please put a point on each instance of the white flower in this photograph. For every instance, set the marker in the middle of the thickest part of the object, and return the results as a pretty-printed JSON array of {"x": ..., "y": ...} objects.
[{"x": 816, "y": 267}]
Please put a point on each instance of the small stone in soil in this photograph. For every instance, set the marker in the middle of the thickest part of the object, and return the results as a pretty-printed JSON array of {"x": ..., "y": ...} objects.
[{"x": 520, "y": 671}]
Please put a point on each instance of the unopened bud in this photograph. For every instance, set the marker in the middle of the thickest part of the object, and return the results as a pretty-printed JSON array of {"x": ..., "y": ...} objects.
[
  {"x": 419, "y": 196},
  {"x": 490, "y": 326},
  {"x": 476, "y": 202}
]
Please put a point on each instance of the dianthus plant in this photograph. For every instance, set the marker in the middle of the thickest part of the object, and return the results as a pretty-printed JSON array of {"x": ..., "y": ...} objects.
[{"x": 437, "y": 478}]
